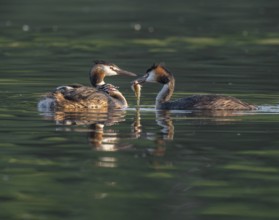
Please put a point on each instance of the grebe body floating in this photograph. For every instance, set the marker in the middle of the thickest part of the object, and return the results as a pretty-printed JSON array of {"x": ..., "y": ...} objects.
[
  {"x": 159, "y": 74},
  {"x": 77, "y": 97}
]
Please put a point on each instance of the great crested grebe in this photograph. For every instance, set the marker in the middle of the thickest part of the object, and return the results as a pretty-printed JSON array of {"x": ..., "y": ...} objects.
[
  {"x": 158, "y": 73},
  {"x": 77, "y": 97}
]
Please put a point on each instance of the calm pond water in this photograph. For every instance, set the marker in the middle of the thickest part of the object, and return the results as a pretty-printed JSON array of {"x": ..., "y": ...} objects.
[{"x": 140, "y": 164}]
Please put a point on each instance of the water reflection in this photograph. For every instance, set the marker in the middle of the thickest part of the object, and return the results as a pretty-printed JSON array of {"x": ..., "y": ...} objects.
[
  {"x": 94, "y": 124},
  {"x": 102, "y": 136},
  {"x": 147, "y": 134},
  {"x": 136, "y": 125},
  {"x": 164, "y": 120},
  {"x": 85, "y": 118},
  {"x": 106, "y": 140},
  {"x": 191, "y": 159}
]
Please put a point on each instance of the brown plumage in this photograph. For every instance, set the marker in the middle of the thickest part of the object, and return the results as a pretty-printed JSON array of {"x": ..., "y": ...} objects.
[
  {"x": 77, "y": 97},
  {"x": 81, "y": 98},
  {"x": 159, "y": 74}
]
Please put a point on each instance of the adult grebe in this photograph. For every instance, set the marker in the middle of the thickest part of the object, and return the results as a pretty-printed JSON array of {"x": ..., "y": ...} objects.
[
  {"x": 158, "y": 73},
  {"x": 77, "y": 97}
]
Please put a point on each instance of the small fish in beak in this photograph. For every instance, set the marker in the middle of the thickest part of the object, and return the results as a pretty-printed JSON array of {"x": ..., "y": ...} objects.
[{"x": 136, "y": 87}]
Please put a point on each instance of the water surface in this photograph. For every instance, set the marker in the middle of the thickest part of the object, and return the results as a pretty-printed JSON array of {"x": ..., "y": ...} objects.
[{"x": 140, "y": 164}]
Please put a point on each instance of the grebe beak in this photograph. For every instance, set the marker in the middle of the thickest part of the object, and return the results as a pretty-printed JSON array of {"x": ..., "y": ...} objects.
[
  {"x": 140, "y": 80},
  {"x": 124, "y": 72}
]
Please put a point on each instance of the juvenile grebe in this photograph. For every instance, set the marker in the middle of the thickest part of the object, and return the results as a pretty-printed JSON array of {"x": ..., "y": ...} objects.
[
  {"x": 158, "y": 73},
  {"x": 77, "y": 97}
]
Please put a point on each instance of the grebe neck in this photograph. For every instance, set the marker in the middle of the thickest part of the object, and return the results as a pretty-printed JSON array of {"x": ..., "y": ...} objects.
[
  {"x": 97, "y": 80},
  {"x": 166, "y": 92}
]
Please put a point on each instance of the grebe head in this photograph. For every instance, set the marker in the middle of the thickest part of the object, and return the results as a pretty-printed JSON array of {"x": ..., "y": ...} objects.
[
  {"x": 101, "y": 69},
  {"x": 157, "y": 73}
]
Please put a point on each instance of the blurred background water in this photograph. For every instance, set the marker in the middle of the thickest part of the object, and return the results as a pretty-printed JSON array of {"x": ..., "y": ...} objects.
[{"x": 139, "y": 164}]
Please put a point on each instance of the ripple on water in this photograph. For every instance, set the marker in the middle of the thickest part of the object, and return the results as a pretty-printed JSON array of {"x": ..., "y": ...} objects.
[{"x": 265, "y": 109}]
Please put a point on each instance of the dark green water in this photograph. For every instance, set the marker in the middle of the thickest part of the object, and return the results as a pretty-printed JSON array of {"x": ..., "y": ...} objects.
[{"x": 140, "y": 165}]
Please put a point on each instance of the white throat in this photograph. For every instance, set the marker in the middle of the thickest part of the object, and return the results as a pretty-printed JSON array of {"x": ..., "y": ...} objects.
[
  {"x": 151, "y": 77},
  {"x": 162, "y": 94},
  {"x": 101, "y": 83}
]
